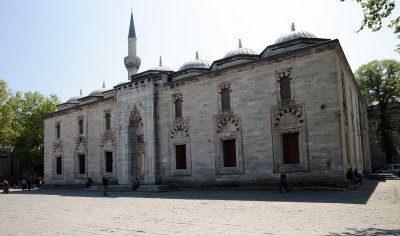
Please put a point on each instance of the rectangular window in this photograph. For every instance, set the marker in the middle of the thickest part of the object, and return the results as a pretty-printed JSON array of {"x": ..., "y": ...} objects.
[
  {"x": 225, "y": 100},
  {"x": 80, "y": 126},
  {"x": 58, "y": 165},
  {"x": 108, "y": 122},
  {"x": 82, "y": 166},
  {"x": 180, "y": 156},
  {"x": 178, "y": 108},
  {"x": 229, "y": 152},
  {"x": 58, "y": 126},
  {"x": 285, "y": 88},
  {"x": 109, "y": 162},
  {"x": 290, "y": 148}
]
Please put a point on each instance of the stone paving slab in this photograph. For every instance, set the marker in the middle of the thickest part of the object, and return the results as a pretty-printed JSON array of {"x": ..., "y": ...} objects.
[{"x": 372, "y": 209}]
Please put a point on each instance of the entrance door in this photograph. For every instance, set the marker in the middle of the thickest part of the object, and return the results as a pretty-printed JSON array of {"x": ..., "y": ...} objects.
[{"x": 290, "y": 148}]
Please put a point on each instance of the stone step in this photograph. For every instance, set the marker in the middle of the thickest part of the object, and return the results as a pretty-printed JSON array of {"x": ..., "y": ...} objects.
[
  {"x": 382, "y": 176},
  {"x": 128, "y": 188}
]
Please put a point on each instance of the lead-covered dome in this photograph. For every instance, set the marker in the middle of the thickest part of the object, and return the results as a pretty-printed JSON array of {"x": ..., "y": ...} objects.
[
  {"x": 196, "y": 64},
  {"x": 240, "y": 51},
  {"x": 74, "y": 99},
  {"x": 294, "y": 35},
  {"x": 160, "y": 67},
  {"x": 98, "y": 92}
]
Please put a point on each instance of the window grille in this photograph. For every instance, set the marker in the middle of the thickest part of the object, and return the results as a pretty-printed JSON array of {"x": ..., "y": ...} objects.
[
  {"x": 285, "y": 88},
  {"x": 225, "y": 100}
]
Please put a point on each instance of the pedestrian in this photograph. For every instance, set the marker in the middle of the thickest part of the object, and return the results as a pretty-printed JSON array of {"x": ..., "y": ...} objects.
[
  {"x": 105, "y": 185},
  {"x": 135, "y": 184},
  {"x": 283, "y": 180},
  {"x": 29, "y": 184},
  {"x": 357, "y": 176},
  {"x": 350, "y": 176},
  {"x": 89, "y": 182},
  {"x": 23, "y": 183},
  {"x": 6, "y": 186}
]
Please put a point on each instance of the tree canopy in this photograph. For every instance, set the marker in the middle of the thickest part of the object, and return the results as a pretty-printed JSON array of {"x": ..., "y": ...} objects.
[
  {"x": 380, "y": 81},
  {"x": 375, "y": 11},
  {"x": 21, "y": 124}
]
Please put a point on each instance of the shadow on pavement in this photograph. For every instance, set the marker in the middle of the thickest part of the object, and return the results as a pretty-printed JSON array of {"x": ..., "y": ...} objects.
[
  {"x": 357, "y": 196},
  {"x": 368, "y": 231}
]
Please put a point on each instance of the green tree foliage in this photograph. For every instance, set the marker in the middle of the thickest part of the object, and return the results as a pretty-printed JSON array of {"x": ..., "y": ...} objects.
[
  {"x": 380, "y": 81},
  {"x": 375, "y": 11},
  {"x": 21, "y": 123}
]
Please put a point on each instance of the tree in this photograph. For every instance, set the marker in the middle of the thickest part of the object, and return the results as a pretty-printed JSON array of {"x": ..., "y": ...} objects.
[
  {"x": 380, "y": 81},
  {"x": 22, "y": 127},
  {"x": 375, "y": 11},
  {"x": 29, "y": 144}
]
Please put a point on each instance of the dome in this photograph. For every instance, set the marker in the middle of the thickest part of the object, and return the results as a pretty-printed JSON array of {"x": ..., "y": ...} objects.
[
  {"x": 294, "y": 35},
  {"x": 160, "y": 67},
  {"x": 74, "y": 99},
  {"x": 240, "y": 51},
  {"x": 196, "y": 64},
  {"x": 97, "y": 92}
]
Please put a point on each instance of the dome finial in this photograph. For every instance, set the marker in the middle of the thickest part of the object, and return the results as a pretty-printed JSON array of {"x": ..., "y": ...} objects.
[
  {"x": 293, "y": 28},
  {"x": 80, "y": 92},
  {"x": 160, "y": 61},
  {"x": 197, "y": 55},
  {"x": 104, "y": 84},
  {"x": 240, "y": 43}
]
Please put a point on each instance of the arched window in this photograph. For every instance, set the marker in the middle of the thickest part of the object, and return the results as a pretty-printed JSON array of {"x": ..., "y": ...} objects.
[{"x": 285, "y": 88}]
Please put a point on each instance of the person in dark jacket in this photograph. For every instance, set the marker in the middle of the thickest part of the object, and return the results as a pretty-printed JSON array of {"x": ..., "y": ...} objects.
[
  {"x": 283, "y": 180},
  {"x": 105, "y": 185}
]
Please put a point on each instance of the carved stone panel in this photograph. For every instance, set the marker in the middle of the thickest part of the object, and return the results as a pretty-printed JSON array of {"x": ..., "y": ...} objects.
[
  {"x": 182, "y": 127},
  {"x": 225, "y": 121},
  {"x": 81, "y": 143},
  {"x": 107, "y": 139},
  {"x": 58, "y": 147}
]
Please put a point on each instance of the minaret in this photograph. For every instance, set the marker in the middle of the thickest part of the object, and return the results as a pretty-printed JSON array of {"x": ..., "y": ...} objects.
[{"x": 132, "y": 62}]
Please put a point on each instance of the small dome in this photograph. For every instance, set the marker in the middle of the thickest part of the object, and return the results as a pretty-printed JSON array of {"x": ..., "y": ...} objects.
[
  {"x": 97, "y": 92},
  {"x": 160, "y": 67},
  {"x": 294, "y": 35},
  {"x": 196, "y": 64},
  {"x": 240, "y": 51},
  {"x": 74, "y": 99}
]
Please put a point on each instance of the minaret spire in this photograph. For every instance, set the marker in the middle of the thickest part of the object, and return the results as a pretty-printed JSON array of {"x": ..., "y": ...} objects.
[
  {"x": 240, "y": 43},
  {"x": 132, "y": 62},
  {"x": 132, "y": 32},
  {"x": 104, "y": 84},
  {"x": 80, "y": 92},
  {"x": 197, "y": 55},
  {"x": 160, "y": 62},
  {"x": 293, "y": 28}
]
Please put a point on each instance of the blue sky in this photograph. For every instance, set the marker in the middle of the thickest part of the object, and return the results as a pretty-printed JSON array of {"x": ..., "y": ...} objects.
[{"x": 63, "y": 46}]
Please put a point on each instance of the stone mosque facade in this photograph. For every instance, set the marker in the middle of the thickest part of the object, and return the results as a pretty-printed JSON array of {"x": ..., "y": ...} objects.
[{"x": 242, "y": 119}]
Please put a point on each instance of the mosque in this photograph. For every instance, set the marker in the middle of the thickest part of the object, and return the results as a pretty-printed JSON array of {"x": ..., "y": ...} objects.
[{"x": 242, "y": 119}]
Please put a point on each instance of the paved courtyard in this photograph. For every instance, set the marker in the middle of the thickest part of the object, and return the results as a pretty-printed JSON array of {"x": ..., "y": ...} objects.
[{"x": 372, "y": 209}]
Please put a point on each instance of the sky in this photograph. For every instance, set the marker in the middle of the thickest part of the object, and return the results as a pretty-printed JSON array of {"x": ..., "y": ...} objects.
[{"x": 60, "y": 47}]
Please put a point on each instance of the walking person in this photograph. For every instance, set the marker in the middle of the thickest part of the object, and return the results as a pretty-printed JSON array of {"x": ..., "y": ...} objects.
[
  {"x": 6, "y": 186},
  {"x": 135, "y": 184},
  {"x": 283, "y": 180},
  {"x": 105, "y": 185},
  {"x": 29, "y": 184},
  {"x": 23, "y": 183}
]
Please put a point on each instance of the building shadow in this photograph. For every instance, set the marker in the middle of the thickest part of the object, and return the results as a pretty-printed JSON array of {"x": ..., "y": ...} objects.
[
  {"x": 359, "y": 195},
  {"x": 368, "y": 231}
]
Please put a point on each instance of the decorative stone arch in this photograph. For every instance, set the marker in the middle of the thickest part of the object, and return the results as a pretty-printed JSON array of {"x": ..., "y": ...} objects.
[
  {"x": 289, "y": 125},
  {"x": 296, "y": 111},
  {"x": 228, "y": 137}
]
